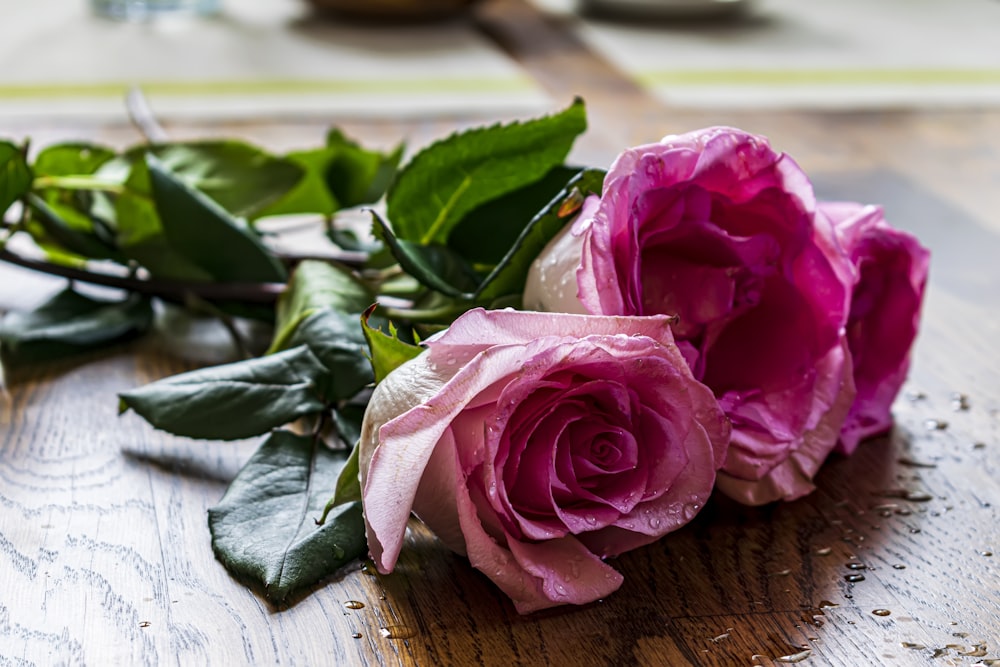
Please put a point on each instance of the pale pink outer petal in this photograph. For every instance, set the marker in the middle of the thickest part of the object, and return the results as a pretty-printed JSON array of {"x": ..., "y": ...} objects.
[
  {"x": 515, "y": 327},
  {"x": 793, "y": 477},
  {"x": 403, "y": 445}
]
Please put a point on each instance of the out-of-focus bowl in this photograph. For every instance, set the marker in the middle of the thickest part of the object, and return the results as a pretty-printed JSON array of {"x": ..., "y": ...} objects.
[{"x": 393, "y": 10}]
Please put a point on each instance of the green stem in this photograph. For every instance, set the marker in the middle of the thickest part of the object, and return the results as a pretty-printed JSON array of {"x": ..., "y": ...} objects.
[{"x": 78, "y": 183}]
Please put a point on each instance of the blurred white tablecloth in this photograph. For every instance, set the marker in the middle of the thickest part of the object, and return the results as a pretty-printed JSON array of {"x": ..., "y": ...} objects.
[
  {"x": 812, "y": 54},
  {"x": 258, "y": 58}
]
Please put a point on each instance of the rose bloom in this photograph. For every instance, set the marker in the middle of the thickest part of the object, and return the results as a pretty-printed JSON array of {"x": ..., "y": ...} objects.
[
  {"x": 891, "y": 273},
  {"x": 538, "y": 445},
  {"x": 719, "y": 229}
]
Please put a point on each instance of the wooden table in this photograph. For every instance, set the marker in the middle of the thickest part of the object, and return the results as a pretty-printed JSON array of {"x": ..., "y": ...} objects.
[{"x": 104, "y": 548}]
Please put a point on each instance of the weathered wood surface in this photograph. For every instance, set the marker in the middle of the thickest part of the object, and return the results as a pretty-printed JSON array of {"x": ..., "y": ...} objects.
[{"x": 104, "y": 547}]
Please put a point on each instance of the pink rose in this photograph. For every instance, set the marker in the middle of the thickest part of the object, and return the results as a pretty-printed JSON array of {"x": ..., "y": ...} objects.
[
  {"x": 891, "y": 272},
  {"x": 539, "y": 444},
  {"x": 717, "y": 228}
]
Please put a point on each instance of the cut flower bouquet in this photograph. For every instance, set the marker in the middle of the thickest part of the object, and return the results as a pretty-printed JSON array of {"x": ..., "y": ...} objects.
[{"x": 549, "y": 365}]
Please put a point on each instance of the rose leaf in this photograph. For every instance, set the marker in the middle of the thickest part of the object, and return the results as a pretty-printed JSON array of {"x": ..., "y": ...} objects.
[
  {"x": 316, "y": 285},
  {"x": 266, "y": 527},
  {"x": 433, "y": 265},
  {"x": 509, "y": 276},
  {"x": 236, "y": 400},
  {"x": 206, "y": 234},
  {"x": 70, "y": 229},
  {"x": 241, "y": 178},
  {"x": 70, "y": 322},
  {"x": 15, "y": 175},
  {"x": 448, "y": 179},
  {"x": 486, "y": 233}
]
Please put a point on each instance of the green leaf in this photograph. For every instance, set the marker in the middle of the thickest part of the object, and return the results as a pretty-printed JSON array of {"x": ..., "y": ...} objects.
[
  {"x": 70, "y": 322},
  {"x": 71, "y": 159},
  {"x": 241, "y": 178},
  {"x": 387, "y": 351},
  {"x": 338, "y": 342},
  {"x": 15, "y": 175},
  {"x": 236, "y": 400},
  {"x": 355, "y": 175},
  {"x": 140, "y": 235},
  {"x": 487, "y": 233},
  {"x": 434, "y": 266},
  {"x": 265, "y": 527},
  {"x": 510, "y": 275},
  {"x": 310, "y": 195},
  {"x": 203, "y": 232},
  {"x": 339, "y": 175},
  {"x": 450, "y": 178},
  {"x": 70, "y": 229},
  {"x": 315, "y": 285}
]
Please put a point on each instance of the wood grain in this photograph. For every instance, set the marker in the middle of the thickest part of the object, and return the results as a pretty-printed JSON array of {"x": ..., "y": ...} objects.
[{"x": 104, "y": 547}]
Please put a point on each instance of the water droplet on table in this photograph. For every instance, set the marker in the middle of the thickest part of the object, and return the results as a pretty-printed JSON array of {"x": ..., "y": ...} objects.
[
  {"x": 396, "y": 632},
  {"x": 854, "y": 578},
  {"x": 918, "y": 647},
  {"x": 354, "y": 604},
  {"x": 899, "y": 566},
  {"x": 881, "y": 612},
  {"x": 826, "y": 604},
  {"x": 795, "y": 657},
  {"x": 935, "y": 424},
  {"x": 357, "y": 635},
  {"x": 824, "y": 551},
  {"x": 856, "y": 566},
  {"x": 959, "y": 402}
]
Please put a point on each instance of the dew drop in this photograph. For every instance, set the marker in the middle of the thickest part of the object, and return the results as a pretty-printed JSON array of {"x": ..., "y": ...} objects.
[
  {"x": 795, "y": 657},
  {"x": 354, "y": 604},
  {"x": 654, "y": 522},
  {"x": 854, "y": 578},
  {"x": 881, "y": 612},
  {"x": 396, "y": 632}
]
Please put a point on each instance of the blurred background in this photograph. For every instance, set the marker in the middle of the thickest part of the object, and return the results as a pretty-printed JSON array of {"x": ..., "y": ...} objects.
[{"x": 288, "y": 58}]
